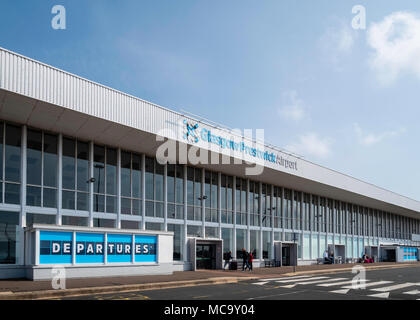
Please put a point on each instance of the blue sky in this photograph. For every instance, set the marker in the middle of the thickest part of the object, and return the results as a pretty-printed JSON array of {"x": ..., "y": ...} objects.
[{"x": 343, "y": 98}]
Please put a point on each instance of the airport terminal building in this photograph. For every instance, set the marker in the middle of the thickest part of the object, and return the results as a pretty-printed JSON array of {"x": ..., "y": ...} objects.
[{"x": 84, "y": 184}]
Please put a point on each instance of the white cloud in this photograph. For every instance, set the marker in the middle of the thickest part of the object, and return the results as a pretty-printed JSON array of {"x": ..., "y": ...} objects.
[
  {"x": 396, "y": 44},
  {"x": 294, "y": 109},
  {"x": 311, "y": 144},
  {"x": 369, "y": 139},
  {"x": 337, "y": 42}
]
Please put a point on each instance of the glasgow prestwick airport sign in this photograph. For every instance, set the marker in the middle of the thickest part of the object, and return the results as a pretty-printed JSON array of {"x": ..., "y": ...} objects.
[{"x": 193, "y": 135}]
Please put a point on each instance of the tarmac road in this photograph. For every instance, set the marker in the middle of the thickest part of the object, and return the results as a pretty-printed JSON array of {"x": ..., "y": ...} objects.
[{"x": 392, "y": 284}]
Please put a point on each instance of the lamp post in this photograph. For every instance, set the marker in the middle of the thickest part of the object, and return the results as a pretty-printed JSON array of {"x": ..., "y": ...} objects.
[{"x": 294, "y": 242}]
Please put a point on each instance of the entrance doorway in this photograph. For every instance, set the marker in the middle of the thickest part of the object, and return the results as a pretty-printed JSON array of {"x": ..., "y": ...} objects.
[
  {"x": 288, "y": 253},
  {"x": 285, "y": 256},
  {"x": 206, "y": 256}
]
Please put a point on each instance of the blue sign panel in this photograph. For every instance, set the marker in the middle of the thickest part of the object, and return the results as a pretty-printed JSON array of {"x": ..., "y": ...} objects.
[
  {"x": 90, "y": 248},
  {"x": 145, "y": 248},
  {"x": 119, "y": 248},
  {"x": 55, "y": 247}
]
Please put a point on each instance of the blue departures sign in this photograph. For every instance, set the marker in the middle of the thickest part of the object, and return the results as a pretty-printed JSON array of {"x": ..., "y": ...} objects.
[{"x": 57, "y": 248}]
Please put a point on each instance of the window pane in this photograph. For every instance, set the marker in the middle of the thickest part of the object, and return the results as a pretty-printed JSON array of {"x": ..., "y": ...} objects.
[
  {"x": 50, "y": 160},
  {"x": 68, "y": 200},
  {"x": 82, "y": 166},
  {"x": 149, "y": 178},
  {"x": 98, "y": 203},
  {"x": 13, "y": 142},
  {"x": 50, "y": 198},
  {"x": 154, "y": 226},
  {"x": 103, "y": 223},
  {"x": 74, "y": 221},
  {"x": 8, "y": 226},
  {"x": 130, "y": 225},
  {"x": 125, "y": 206},
  {"x": 32, "y": 218},
  {"x": 82, "y": 201},
  {"x": 68, "y": 164},
  {"x": 171, "y": 183},
  {"x": 177, "y": 230},
  {"x": 12, "y": 193},
  {"x": 33, "y": 196},
  {"x": 98, "y": 169},
  {"x": 111, "y": 204},
  {"x": 136, "y": 207},
  {"x": 111, "y": 171},
  {"x": 34, "y": 157},
  {"x": 159, "y": 182},
  {"x": 126, "y": 174},
  {"x": 136, "y": 176}
]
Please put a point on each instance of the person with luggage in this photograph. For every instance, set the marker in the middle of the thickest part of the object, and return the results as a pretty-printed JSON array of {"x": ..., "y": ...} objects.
[
  {"x": 227, "y": 258},
  {"x": 244, "y": 259}
]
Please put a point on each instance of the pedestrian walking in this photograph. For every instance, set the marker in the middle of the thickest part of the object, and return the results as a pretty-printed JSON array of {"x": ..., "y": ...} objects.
[
  {"x": 250, "y": 259},
  {"x": 244, "y": 259},
  {"x": 227, "y": 258}
]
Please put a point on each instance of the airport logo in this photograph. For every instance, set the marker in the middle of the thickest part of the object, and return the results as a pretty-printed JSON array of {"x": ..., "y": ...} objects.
[{"x": 190, "y": 132}]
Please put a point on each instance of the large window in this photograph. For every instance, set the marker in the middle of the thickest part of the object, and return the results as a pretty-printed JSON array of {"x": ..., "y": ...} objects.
[
  {"x": 267, "y": 244},
  {"x": 278, "y": 223},
  {"x": 130, "y": 183},
  {"x": 297, "y": 219},
  {"x": 253, "y": 197},
  {"x": 210, "y": 186},
  {"x": 105, "y": 174},
  {"x": 41, "y": 164},
  {"x": 227, "y": 236},
  {"x": 75, "y": 175},
  {"x": 266, "y": 207},
  {"x": 175, "y": 181},
  {"x": 194, "y": 194},
  {"x": 306, "y": 212},
  {"x": 241, "y": 212},
  {"x": 9, "y": 222},
  {"x": 178, "y": 230},
  {"x": 226, "y": 192},
  {"x": 12, "y": 174},
  {"x": 287, "y": 208},
  {"x": 255, "y": 243},
  {"x": 154, "y": 188},
  {"x": 241, "y": 242}
]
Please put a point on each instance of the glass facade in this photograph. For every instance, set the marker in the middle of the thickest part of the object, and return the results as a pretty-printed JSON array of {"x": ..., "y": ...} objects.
[{"x": 92, "y": 184}]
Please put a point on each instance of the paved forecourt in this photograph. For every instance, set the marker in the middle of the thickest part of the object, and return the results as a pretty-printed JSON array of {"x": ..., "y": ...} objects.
[{"x": 400, "y": 284}]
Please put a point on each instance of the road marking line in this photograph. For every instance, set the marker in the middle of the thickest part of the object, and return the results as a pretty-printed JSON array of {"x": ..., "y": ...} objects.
[
  {"x": 413, "y": 292},
  {"x": 395, "y": 287},
  {"x": 338, "y": 283},
  {"x": 364, "y": 285},
  {"x": 288, "y": 286},
  {"x": 283, "y": 278},
  {"x": 320, "y": 281},
  {"x": 260, "y": 283},
  {"x": 341, "y": 291},
  {"x": 274, "y": 295},
  {"x": 295, "y": 280},
  {"x": 384, "y": 295}
]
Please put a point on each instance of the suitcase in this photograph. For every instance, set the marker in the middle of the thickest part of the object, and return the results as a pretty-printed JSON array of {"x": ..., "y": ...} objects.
[{"x": 233, "y": 265}]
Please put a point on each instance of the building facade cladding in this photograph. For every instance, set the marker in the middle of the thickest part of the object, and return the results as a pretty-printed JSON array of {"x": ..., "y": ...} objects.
[{"x": 53, "y": 179}]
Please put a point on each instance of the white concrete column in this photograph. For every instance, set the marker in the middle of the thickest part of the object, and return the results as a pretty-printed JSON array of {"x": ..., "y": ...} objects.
[
  {"x": 203, "y": 202},
  {"x": 248, "y": 210},
  {"x": 23, "y": 151},
  {"x": 165, "y": 197},
  {"x": 234, "y": 219},
  {"x": 185, "y": 215},
  {"x": 91, "y": 174},
  {"x": 143, "y": 191},
  {"x": 60, "y": 180},
  {"x": 118, "y": 188}
]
